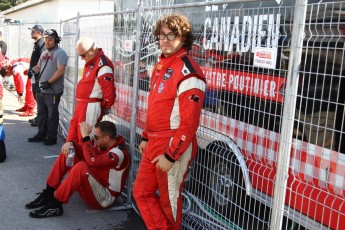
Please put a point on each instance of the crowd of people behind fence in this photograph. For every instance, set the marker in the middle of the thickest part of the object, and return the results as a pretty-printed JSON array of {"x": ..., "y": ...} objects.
[{"x": 101, "y": 161}]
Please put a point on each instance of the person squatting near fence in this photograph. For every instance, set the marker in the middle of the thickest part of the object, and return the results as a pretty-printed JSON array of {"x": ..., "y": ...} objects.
[
  {"x": 51, "y": 66},
  {"x": 18, "y": 68},
  {"x": 98, "y": 174},
  {"x": 39, "y": 46},
  {"x": 169, "y": 140},
  {"x": 95, "y": 93}
]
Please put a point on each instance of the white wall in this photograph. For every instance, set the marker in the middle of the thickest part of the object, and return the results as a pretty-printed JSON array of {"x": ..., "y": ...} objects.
[{"x": 56, "y": 10}]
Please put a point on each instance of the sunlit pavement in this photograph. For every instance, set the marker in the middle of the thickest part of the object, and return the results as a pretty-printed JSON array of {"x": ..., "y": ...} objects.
[{"x": 24, "y": 172}]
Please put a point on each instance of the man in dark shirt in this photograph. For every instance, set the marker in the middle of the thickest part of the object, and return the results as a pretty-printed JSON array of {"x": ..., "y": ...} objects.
[
  {"x": 3, "y": 45},
  {"x": 37, "y": 35}
]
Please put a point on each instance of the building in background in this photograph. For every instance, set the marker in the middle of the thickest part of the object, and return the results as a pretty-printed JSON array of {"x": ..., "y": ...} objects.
[{"x": 56, "y": 10}]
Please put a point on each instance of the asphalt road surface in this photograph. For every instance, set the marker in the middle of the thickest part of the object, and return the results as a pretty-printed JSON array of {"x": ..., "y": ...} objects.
[{"x": 24, "y": 173}]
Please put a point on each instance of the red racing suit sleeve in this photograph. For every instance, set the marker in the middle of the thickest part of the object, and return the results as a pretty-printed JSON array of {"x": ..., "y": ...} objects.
[
  {"x": 144, "y": 136},
  {"x": 94, "y": 159},
  {"x": 191, "y": 97},
  {"x": 106, "y": 81},
  {"x": 18, "y": 83},
  {"x": 114, "y": 157}
]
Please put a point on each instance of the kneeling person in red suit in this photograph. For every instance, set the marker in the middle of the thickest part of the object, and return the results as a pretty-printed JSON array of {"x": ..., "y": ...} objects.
[{"x": 99, "y": 175}]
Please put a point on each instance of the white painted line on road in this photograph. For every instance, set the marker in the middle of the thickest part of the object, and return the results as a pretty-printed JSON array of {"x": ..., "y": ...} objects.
[{"x": 52, "y": 156}]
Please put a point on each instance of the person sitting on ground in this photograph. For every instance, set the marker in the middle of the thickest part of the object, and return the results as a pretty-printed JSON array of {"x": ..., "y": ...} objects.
[
  {"x": 19, "y": 69},
  {"x": 98, "y": 175}
]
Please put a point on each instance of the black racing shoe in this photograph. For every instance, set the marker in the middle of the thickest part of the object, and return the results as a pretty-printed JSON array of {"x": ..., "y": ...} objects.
[
  {"x": 43, "y": 199},
  {"x": 50, "y": 141},
  {"x": 53, "y": 208}
]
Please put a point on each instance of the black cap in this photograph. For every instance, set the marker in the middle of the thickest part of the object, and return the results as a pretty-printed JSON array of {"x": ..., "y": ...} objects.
[
  {"x": 38, "y": 28},
  {"x": 50, "y": 33}
]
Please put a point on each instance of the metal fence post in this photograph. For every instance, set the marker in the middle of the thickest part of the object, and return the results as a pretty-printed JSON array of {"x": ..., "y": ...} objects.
[
  {"x": 135, "y": 92},
  {"x": 288, "y": 114},
  {"x": 76, "y": 62}
]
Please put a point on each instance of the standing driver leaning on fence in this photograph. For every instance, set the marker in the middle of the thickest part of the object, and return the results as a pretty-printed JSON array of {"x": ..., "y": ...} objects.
[
  {"x": 169, "y": 141},
  {"x": 98, "y": 174},
  {"x": 51, "y": 68},
  {"x": 95, "y": 92}
]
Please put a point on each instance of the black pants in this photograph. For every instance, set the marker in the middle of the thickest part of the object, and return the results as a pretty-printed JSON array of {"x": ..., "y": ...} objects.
[{"x": 48, "y": 114}]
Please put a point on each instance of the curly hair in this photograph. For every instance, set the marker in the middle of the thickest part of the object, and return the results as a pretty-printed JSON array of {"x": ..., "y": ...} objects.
[{"x": 179, "y": 25}]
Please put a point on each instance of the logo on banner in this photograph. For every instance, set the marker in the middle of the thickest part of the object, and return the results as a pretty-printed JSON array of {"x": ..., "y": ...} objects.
[{"x": 265, "y": 57}]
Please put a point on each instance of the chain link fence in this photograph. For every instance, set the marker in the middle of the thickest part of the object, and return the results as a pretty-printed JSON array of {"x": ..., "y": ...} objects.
[{"x": 271, "y": 145}]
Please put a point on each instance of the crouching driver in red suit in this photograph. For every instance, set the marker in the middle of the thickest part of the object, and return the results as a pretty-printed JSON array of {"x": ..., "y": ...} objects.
[
  {"x": 98, "y": 175},
  {"x": 169, "y": 140},
  {"x": 19, "y": 69}
]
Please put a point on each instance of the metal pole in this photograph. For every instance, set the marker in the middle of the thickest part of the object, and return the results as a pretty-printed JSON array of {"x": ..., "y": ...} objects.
[
  {"x": 288, "y": 114},
  {"x": 76, "y": 61},
  {"x": 19, "y": 48},
  {"x": 135, "y": 94}
]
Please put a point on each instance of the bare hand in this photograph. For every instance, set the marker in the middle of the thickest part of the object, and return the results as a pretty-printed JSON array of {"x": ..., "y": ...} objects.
[
  {"x": 162, "y": 163},
  {"x": 85, "y": 129},
  {"x": 65, "y": 148},
  {"x": 142, "y": 146}
]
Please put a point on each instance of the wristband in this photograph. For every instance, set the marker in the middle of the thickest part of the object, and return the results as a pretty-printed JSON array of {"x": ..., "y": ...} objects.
[
  {"x": 169, "y": 158},
  {"x": 86, "y": 138}
]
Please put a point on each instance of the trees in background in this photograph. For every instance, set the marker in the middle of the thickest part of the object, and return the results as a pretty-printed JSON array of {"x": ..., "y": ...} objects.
[{"x": 6, "y": 4}]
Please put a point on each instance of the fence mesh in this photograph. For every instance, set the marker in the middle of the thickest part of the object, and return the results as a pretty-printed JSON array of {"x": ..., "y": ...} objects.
[{"x": 231, "y": 183}]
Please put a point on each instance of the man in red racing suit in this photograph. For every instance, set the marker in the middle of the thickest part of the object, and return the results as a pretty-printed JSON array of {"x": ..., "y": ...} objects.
[
  {"x": 169, "y": 140},
  {"x": 95, "y": 92},
  {"x": 19, "y": 69},
  {"x": 99, "y": 175}
]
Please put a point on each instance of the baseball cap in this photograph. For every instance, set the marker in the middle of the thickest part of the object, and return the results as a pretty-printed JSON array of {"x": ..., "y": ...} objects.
[
  {"x": 38, "y": 28},
  {"x": 50, "y": 33}
]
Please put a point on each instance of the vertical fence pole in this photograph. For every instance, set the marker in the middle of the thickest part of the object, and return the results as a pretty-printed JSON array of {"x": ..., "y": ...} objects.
[
  {"x": 288, "y": 114},
  {"x": 135, "y": 93},
  {"x": 76, "y": 61},
  {"x": 19, "y": 35}
]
